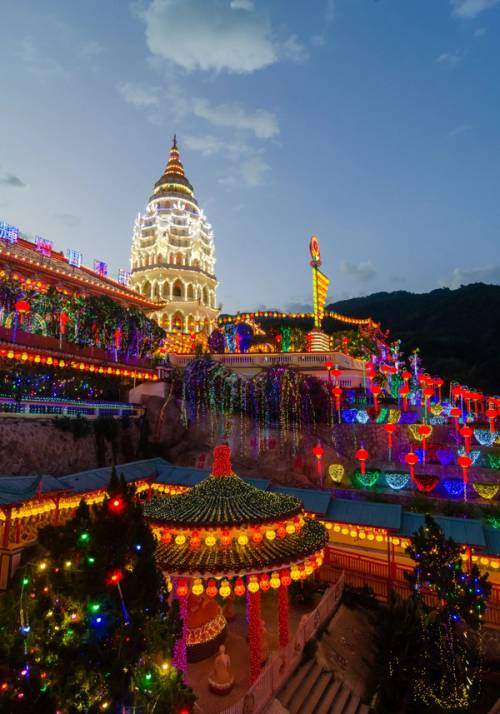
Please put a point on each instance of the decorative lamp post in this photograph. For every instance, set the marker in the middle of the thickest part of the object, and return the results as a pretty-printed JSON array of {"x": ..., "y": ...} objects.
[
  {"x": 412, "y": 460},
  {"x": 337, "y": 393},
  {"x": 438, "y": 382},
  {"x": 467, "y": 433},
  {"x": 491, "y": 415},
  {"x": 362, "y": 456},
  {"x": 465, "y": 462},
  {"x": 375, "y": 390},
  {"x": 424, "y": 431},
  {"x": 428, "y": 393},
  {"x": 456, "y": 413},
  {"x": 318, "y": 452},
  {"x": 404, "y": 391},
  {"x": 389, "y": 429}
]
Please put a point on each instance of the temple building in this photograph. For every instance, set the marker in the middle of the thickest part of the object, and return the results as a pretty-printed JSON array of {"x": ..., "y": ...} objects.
[{"x": 173, "y": 255}]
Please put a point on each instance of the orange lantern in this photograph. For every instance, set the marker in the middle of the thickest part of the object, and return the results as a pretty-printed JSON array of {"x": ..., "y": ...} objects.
[
  {"x": 211, "y": 589},
  {"x": 182, "y": 587},
  {"x": 239, "y": 587},
  {"x": 264, "y": 582}
]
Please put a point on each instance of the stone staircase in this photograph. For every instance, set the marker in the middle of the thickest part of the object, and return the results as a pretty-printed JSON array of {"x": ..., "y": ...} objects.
[{"x": 313, "y": 690}]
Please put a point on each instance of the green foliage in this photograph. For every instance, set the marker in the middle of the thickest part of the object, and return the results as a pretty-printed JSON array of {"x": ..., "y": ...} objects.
[
  {"x": 93, "y": 641},
  {"x": 79, "y": 426}
]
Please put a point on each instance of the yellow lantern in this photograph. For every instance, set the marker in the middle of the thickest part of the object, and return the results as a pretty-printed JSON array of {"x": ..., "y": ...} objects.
[
  {"x": 253, "y": 585},
  {"x": 180, "y": 539},
  {"x": 197, "y": 588},
  {"x": 275, "y": 581},
  {"x": 294, "y": 573},
  {"x": 290, "y": 528},
  {"x": 243, "y": 539},
  {"x": 210, "y": 540},
  {"x": 353, "y": 533},
  {"x": 270, "y": 535}
]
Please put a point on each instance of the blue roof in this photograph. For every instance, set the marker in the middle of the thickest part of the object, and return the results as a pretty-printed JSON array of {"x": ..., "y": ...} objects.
[
  {"x": 179, "y": 475},
  {"x": 492, "y": 537},
  {"x": 314, "y": 501},
  {"x": 367, "y": 513},
  {"x": 465, "y": 531},
  {"x": 16, "y": 489},
  {"x": 95, "y": 479}
]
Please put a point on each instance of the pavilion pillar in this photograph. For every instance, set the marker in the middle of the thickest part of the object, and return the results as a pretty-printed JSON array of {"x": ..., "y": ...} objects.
[
  {"x": 254, "y": 634},
  {"x": 283, "y": 615},
  {"x": 180, "y": 647}
]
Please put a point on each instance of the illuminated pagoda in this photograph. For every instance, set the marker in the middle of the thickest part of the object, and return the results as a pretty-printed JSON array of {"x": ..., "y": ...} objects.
[
  {"x": 173, "y": 255},
  {"x": 226, "y": 537}
]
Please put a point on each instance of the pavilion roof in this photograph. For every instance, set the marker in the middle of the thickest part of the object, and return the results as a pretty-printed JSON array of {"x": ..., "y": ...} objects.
[
  {"x": 17, "y": 489},
  {"x": 238, "y": 560}
]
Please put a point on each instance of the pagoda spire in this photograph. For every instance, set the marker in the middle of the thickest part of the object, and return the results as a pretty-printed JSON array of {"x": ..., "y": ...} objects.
[{"x": 174, "y": 164}]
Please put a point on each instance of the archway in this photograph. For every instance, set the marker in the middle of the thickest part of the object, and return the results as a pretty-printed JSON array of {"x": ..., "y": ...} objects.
[
  {"x": 146, "y": 289},
  {"x": 190, "y": 292},
  {"x": 178, "y": 321},
  {"x": 177, "y": 289}
]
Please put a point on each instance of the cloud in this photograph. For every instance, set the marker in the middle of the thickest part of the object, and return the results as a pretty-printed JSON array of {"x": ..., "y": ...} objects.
[
  {"x": 12, "y": 181},
  {"x": 469, "y": 9},
  {"x": 206, "y": 145},
  {"x": 198, "y": 35},
  {"x": 320, "y": 39},
  {"x": 68, "y": 219},
  {"x": 449, "y": 59},
  {"x": 91, "y": 50},
  {"x": 363, "y": 271},
  {"x": 292, "y": 49},
  {"x": 242, "y": 5},
  {"x": 460, "y": 129},
  {"x": 254, "y": 171},
  {"x": 138, "y": 95},
  {"x": 38, "y": 63},
  {"x": 489, "y": 274},
  {"x": 262, "y": 123},
  {"x": 479, "y": 32}
]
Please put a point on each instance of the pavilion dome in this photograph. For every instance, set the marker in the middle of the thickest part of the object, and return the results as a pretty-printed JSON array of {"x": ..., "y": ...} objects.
[{"x": 173, "y": 182}]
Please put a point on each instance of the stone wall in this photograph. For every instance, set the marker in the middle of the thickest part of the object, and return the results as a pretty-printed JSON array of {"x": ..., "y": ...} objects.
[{"x": 36, "y": 446}]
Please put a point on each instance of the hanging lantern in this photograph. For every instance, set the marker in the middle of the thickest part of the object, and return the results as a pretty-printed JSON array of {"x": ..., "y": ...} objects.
[
  {"x": 225, "y": 538},
  {"x": 195, "y": 540},
  {"x": 337, "y": 393},
  {"x": 285, "y": 578},
  {"x": 257, "y": 537},
  {"x": 253, "y": 584},
  {"x": 270, "y": 534},
  {"x": 465, "y": 462},
  {"x": 180, "y": 539},
  {"x": 456, "y": 413},
  {"x": 362, "y": 456},
  {"x": 281, "y": 531},
  {"x": 197, "y": 588},
  {"x": 406, "y": 375},
  {"x": 22, "y": 307},
  {"x": 491, "y": 415},
  {"x": 211, "y": 588},
  {"x": 438, "y": 382},
  {"x": 181, "y": 587},
  {"x": 318, "y": 452},
  {"x": 411, "y": 459},
  {"x": 243, "y": 539},
  {"x": 225, "y": 589},
  {"x": 404, "y": 391},
  {"x": 239, "y": 587},
  {"x": 264, "y": 582},
  {"x": 275, "y": 581},
  {"x": 425, "y": 431},
  {"x": 467, "y": 433},
  {"x": 389, "y": 429},
  {"x": 375, "y": 390},
  {"x": 210, "y": 540}
]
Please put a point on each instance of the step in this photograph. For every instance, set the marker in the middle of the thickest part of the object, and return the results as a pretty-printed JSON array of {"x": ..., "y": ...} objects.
[
  {"x": 340, "y": 703},
  {"x": 299, "y": 702},
  {"x": 329, "y": 697},
  {"x": 313, "y": 697},
  {"x": 288, "y": 691},
  {"x": 353, "y": 706}
]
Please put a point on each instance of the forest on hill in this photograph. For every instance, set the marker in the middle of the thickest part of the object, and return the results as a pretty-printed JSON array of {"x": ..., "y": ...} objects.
[{"x": 457, "y": 331}]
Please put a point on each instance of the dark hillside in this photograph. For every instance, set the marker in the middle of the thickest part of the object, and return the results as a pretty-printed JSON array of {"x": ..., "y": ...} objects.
[{"x": 458, "y": 331}]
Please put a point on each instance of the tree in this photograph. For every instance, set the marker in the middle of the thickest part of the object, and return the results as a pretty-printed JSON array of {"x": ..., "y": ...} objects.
[
  {"x": 88, "y": 626},
  {"x": 449, "y": 672}
]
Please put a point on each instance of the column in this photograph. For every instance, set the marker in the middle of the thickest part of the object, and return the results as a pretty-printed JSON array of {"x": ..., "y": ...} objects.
[
  {"x": 180, "y": 647},
  {"x": 283, "y": 615},
  {"x": 254, "y": 634}
]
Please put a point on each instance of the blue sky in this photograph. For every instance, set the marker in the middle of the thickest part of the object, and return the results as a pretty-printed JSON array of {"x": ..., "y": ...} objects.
[{"x": 373, "y": 124}]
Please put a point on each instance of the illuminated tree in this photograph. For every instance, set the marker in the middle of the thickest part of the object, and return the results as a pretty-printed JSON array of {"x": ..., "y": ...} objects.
[{"x": 88, "y": 626}]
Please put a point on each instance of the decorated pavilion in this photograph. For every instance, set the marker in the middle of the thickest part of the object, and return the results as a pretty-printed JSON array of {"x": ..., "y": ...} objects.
[{"x": 226, "y": 537}]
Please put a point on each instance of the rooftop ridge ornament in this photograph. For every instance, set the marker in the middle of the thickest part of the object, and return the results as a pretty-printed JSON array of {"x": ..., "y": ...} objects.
[{"x": 222, "y": 462}]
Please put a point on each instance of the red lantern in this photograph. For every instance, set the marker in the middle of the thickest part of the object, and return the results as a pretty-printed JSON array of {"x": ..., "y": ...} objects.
[
  {"x": 211, "y": 589},
  {"x": 22, "y": 307},
  {"x": 411, "y": 459},
  {"x": 63, "y": 321},
  {"x": 286, "y": 580},
  {"x": 225, "y": 538},
  {"x": 425, "y": 431},
  {"x": 337, "y": 393},
  {"x": 114, "y": 577},
  {"x": 389, "y": 430},
  {"x": 456, "y": 413},
  {"x": 195, "y": 540},
  {"x": 328, "y": 365},
  {"x": 438, "y": 382},
  {"x": 318, "y": 452},
  {"x": 264, "y": 583},
  {"x": 465, "y": 462},
  {"x": 404, "y": 392},
  {"x": 182, "y": 587},
  {"x": 362, "y": 456},
  {"x": 375, "y": 390},
  {"x": 467, "y": 433},
  {"x": 491, "y": 415},
  {"x": 116, "y": 505},
  {"x": 406, "y": 375},
  {"x": 336, "y": 374},
  {"x": 239, "y": 587}
]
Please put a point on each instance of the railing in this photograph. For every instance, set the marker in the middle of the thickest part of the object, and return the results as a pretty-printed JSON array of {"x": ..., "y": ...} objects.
[
  {"x": 283, "y": 662},
  {"x": 66, "y": 407},
  {"x": 297, "y": 359}
]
